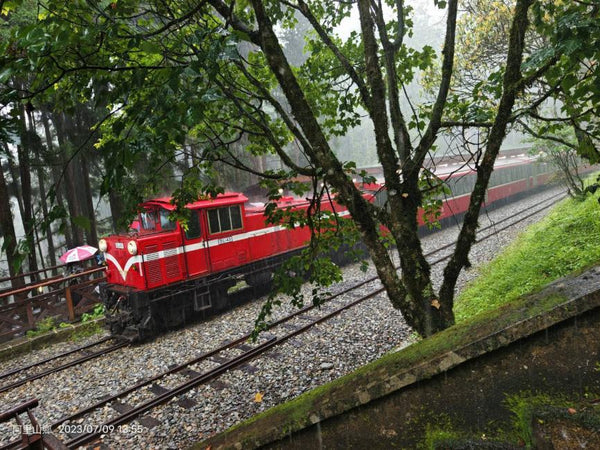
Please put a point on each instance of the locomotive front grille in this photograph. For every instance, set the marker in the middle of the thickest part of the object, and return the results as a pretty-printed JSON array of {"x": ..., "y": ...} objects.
[{"x": 162, "y": 263}]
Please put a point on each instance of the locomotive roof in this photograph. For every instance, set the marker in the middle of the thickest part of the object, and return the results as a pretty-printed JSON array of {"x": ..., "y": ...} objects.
[{"x": 228, "y": 198}]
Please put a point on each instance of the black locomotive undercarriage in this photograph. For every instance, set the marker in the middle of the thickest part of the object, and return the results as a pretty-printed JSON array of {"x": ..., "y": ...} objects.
[{"x": 137, "y": 315}]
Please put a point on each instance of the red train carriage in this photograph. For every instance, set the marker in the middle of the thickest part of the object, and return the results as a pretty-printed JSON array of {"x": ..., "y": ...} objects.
[{"x": 512, "y": 176}]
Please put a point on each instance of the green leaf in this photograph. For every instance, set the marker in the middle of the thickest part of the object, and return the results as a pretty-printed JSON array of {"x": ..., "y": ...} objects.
[
  {"x": 5, "y": 74},
  {"x": 568, "y": 82}
]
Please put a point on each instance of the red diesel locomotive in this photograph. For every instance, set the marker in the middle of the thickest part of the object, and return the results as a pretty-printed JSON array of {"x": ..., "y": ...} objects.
[{"x": 160, "y": 275}]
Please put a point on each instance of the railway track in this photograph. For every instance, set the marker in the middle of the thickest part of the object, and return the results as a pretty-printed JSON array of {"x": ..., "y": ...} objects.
[
  {"x": 500, "y": 225},
  {"x": 22, "y": 375},
  {"x": 82, "y": 427},
  {"x": 160, "y": 388}
]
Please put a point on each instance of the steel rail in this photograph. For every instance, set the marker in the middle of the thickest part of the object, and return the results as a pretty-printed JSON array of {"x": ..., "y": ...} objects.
[
  {"x": 148, "y": 381},
  {"x": 550, "y": 200},
  {"x": 73, "y": 363},
  {"x": 53, "y": 358}
]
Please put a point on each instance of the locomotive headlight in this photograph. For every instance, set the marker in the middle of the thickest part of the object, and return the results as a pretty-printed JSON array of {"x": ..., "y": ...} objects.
[
  {"x": 132, "y": 248},
  {"x": 102, "y": 245}
]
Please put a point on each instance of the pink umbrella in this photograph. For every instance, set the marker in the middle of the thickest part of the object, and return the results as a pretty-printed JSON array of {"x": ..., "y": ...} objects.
[{"x": 78, "y": 253}]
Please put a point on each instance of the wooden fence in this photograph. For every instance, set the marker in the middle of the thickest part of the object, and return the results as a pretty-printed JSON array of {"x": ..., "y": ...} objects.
[{"x": 64, "y": 298}]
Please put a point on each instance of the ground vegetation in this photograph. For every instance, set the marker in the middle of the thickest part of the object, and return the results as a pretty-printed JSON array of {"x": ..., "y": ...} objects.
[{"x": 565, "y": 242}]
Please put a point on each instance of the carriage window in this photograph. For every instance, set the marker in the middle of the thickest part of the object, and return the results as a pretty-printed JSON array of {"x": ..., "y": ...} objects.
[
  {"x": 213, "y": 221},
  {"x": 148, "y": 220},
  {"x": 194, "y": 231},
  {"x": 165, "y": 223},
  {"x": 225, "y": 219},
  {"x": 236, "y": 217}
]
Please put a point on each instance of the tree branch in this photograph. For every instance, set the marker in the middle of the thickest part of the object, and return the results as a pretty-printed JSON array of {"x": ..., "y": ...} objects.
[
  {"x": 378, "y": 113},
  {"x": 546, "y": 137},
  {"x": 452, "y": 124},
  {"x": 362, "y": 88},
  {"x": 438, "y": 107},
  {"x": 227, "y": 13},
  {"x": 401, "y": 135},
  {"x": 267, "y": 132},
  {"x": 287, "y": 120}
]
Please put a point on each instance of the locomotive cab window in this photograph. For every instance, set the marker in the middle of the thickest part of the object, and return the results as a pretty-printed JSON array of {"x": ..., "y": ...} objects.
[
  {"x": 225, "y": 219},
  {"x": 165, "y": 223},
  {"x": 156, "y": 220},
  {"x": 148, "y": 220},
  {"x": 193, "y": 231}
]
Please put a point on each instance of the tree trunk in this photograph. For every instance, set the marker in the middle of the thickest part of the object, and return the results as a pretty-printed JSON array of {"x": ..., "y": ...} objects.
[
  {"x": 41, "y": 175},
  {"x": 88, "y": 202},
  {"x": 10, "y": 237},
  {"x": 511, "y": 87},
  {"x": 63, "y": 130},
  {"x": 23, "y": 151},
  {"x": 53, "y": 161},
  {"x": 83, "y": 174},
  {"x": 117, "y": 209}
]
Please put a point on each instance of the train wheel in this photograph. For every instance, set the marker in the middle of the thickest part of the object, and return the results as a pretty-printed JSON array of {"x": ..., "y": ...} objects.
[
  {"x": 115, "y": 328},
  {"x": 257, "y": 279},
  {"x": 219, "y": 297}
]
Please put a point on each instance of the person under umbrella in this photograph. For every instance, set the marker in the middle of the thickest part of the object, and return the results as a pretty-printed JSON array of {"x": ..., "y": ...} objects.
[{"x": 74, "y": 256}]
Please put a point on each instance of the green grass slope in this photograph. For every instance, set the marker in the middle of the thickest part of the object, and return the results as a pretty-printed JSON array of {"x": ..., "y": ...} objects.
[{"x": 566, "y": 241}]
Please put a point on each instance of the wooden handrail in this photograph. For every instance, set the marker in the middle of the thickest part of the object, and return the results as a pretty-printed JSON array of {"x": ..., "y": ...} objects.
[
  {"x": 23, "y": 407},
  {"x": 51, "y": 281}
]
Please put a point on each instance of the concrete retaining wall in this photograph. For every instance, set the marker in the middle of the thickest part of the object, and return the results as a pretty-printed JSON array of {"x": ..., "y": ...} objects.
[{"x": 461, "y": 378}]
